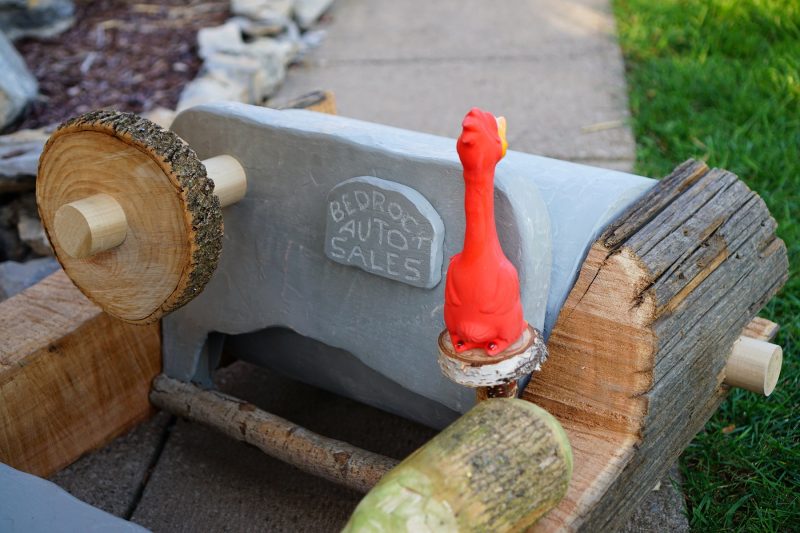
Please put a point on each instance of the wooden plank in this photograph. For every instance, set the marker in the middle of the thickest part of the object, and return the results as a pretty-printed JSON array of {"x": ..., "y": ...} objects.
[
  {"x": 638, "y": 353},
  {"x": 761, "y": 329},
  {"x": 71, "y": 377}
]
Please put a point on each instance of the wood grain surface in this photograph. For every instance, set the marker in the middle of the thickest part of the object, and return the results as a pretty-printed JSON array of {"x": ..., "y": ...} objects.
[
  {"x": 639, "y": 349},
  {"x": 71, "y": 377},
  {"x": 328, "y": 458},
  {"x": 174, "y": 220}
]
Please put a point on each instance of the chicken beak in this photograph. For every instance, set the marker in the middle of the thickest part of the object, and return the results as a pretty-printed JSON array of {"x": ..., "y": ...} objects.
[{"x": 501, "y": 130}]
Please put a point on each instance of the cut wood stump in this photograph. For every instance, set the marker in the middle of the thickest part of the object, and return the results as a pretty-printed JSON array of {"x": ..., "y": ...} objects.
[{"x": 639, "y": 350}]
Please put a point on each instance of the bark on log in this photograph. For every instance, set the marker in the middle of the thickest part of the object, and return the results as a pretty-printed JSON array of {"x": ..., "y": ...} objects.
[
  {"x": 328, "y": 458},
  {"x": 638, "y": 353},
  {"x": 498, "y": 468}
]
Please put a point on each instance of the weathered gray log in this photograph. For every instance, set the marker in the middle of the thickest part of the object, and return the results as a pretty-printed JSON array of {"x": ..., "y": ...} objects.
[
  {"x": 638, "y": 353},
  {"x": 498, "y": 468},
  {"x": 328, "y": 458}
]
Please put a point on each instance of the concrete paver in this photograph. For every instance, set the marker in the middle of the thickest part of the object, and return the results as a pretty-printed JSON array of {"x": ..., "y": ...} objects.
[
  {"x": 112, "y": 477},
  {"x": 552, "y": 67},
  {"x": 205, "y": 481}
]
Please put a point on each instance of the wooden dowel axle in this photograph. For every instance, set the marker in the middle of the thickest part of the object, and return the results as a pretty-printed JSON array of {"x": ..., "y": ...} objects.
[
  {"x": 230, "y": 181},
  {"x": 97, "y": 223},
  {"x": 90, "y": 225},
  {"x": 754, "y": 365}
]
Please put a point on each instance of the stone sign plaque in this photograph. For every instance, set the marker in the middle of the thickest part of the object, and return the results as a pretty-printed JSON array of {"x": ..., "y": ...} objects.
[{"x": 385, "y": 228}]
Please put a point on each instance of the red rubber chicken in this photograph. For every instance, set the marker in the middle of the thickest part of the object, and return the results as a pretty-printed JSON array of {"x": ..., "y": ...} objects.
[{"x": 482, "y": 308}]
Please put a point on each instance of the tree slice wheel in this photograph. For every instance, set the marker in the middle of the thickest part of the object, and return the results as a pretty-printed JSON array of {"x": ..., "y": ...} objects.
[
  {"x": 174, "y": 234},
  {"x": 476, "y": 368}
]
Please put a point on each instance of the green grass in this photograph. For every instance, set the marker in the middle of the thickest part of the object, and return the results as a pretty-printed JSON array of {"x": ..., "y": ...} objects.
[{"x": 720, "y": 80}]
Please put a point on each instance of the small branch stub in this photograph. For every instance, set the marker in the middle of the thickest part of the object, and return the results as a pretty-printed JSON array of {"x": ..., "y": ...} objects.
[
  {"x": 754, "y": 365},
  {"x": 495, "y": 376},
  {"x": 91, "y": 225}
]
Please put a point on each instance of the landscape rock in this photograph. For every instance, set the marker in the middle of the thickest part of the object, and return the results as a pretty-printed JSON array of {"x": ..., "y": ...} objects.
[
  {"x": 273, "y": 55},
  {"x": 11, "y": 247},
  {"x": 16, "y": 277},
  {"x": 307, "y": 12},
  {"x": 308, "y": 41},
  {"x": 245, "y": 71},
  {"x": 33, "y": 504},
  {"x": 205, "y": 89},
  {"x": 262, "y": 9},
  {"x": 262, "y": 27},
  {"x": 18, "y": 87},
  {"x": 8, "y": 214},
  {"x": 220, "y": 39},
  {"x": 19, "y": 159},
  {"x": 35, "y": 18},
  {"x": 250, "y": 76},
  {"x": 32, "y": 233}
]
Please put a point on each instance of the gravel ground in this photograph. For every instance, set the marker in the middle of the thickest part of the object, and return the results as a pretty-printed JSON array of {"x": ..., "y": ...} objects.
[{"x": 124, "y": 55}]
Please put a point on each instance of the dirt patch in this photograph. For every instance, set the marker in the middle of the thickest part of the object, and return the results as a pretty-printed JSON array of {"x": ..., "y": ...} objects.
[{"x": 122, "y": 55}]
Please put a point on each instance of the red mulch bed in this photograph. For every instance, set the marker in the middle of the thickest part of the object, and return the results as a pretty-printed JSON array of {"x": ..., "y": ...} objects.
[{"x": 130, "y": 56}]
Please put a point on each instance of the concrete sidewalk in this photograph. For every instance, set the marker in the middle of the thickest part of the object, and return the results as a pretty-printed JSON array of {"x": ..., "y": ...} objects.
[{"x": 554, "y": 69}]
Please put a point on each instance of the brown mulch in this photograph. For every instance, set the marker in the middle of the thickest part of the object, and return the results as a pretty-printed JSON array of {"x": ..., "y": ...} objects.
[{"x": 132, "y": 56}]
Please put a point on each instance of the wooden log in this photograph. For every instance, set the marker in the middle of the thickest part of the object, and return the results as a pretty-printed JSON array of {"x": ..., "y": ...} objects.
[
  {"x": 72, "y": 378},
  {"x": 493, "y": 376},
  {"x": 761, "y": 328},
  {"x": 638, "y": 353},
  {"x": 328, "y": 458},
  {"x": 498, "y": 468}
]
